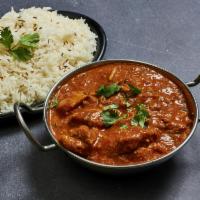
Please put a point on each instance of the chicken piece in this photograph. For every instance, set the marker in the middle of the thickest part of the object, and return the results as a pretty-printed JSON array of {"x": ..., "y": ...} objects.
[
  {"x": 90, "y": 99},
  {"x": 74, "y": 145},
  {"x": 160, "y": 148},
  {"x": 130, "y": 142},
  {"x": 151, "y": 152},
  {"x": 70, "y": 102},
  {"x": 88, "y": 116},
  {"x": 116, "y": 99},
  {"x": 146, "y": 154},
  {"x": 84, "y": 134}
]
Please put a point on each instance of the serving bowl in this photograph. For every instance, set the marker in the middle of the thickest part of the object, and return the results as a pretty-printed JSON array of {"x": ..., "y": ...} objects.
[{"x": 184, "y": 87}]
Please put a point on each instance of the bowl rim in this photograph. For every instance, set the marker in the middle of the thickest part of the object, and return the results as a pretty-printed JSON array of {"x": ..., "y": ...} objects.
[{"x": 91, "y": 65}]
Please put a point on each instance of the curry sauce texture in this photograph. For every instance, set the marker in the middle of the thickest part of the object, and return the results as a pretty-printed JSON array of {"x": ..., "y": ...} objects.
[{"x": 119, "y": 114}]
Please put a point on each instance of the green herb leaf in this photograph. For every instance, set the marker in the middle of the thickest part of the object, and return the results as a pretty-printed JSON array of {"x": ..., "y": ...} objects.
[
  {"x": 124, "y": 116},
  {"x": 109, "y": 118},
  {"x": 123, "y": 126},
  {"x": 30, "y": 40},
  {"x": 134, "y": 90},
  {"x": 6, "y": 37},
  {"x": 108, "y": 91},
  {"x": 110, "y": 107},
  {"x": 23, "y": 50},
  {"x": 54, "y": 103},
  {"x": 141, "y": 116},
  {"x": 21, "y": 54}
]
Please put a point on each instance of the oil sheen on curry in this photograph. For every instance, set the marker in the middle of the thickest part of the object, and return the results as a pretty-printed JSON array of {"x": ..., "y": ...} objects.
[{"x": 119, "y": 114}]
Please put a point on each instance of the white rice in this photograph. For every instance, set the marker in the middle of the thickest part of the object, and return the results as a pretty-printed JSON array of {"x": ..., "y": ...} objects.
[{"x": 64, "y": 44}]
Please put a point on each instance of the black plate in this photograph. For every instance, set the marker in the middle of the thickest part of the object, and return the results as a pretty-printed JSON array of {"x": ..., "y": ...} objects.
[{"x": 101, "y": 45}]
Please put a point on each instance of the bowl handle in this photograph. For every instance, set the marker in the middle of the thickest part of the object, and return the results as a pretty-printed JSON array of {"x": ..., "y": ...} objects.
[
  {"x": 195, "y": 82},
  {"x": 27, "y": 131}
]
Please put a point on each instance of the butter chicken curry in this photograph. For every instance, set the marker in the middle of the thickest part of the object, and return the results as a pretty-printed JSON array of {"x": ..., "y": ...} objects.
[{"x": 119, "y": 114}]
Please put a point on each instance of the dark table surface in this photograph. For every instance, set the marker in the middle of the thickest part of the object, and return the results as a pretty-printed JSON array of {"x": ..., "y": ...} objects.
[{"x": 165, "y": 33}]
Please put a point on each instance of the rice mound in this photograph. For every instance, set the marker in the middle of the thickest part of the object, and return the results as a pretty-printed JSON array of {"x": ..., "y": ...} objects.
[{"x": 64, "y": 44}]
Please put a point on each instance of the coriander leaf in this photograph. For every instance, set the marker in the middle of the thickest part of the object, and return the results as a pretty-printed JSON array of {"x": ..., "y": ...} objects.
[
  {"x": 138, "y": 120},
  {"x": 141, "y": 108},
  {"x": 141, "y": 116},
  {"x": 21, "y": 54},
  {"x": 124, "y": 116},
  {"x": 110, "y": 107},
  {"x": 134, "y": 121},
  {"x": 108, "y": 91},
  {"x": 123, "y": 126},
  {"x": 134, "y": 90},
  {"x": 30, "y": 40},
  {"x": 6, "y": 37},
  {"x": 54, "y": 103},
  {"x": 109, "y": 118},
  {"x": 23, "y": 50}
]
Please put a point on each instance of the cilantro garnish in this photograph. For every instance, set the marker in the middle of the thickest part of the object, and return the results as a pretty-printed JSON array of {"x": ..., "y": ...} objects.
[
  {"x": 123, "y": 126},
  {"x": 108, "y": 91},
  {"x": 22, "y": 54},
  {"x": 54, "y": 103},
  {"x": 110, "y": 107},
  {"x": 109, "y": 117},
  {"x": 134, "y": 90},
  {"x": 141, "y": 116},
  {"x": 23, "y": 50},
  {"x": 6, "y": 37},
  {"x": 30, "y": 40}
]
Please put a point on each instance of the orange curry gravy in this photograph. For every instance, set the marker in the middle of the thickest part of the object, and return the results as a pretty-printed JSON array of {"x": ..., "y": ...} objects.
[{"x": 76, "y": 115}]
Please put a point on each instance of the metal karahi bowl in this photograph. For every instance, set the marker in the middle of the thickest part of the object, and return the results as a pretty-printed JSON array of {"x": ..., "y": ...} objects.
[{"x": 114, "y": 169}]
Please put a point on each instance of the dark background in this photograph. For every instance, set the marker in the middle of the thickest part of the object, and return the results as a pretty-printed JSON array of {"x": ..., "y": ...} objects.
[{"x": 162, "y": 32}]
